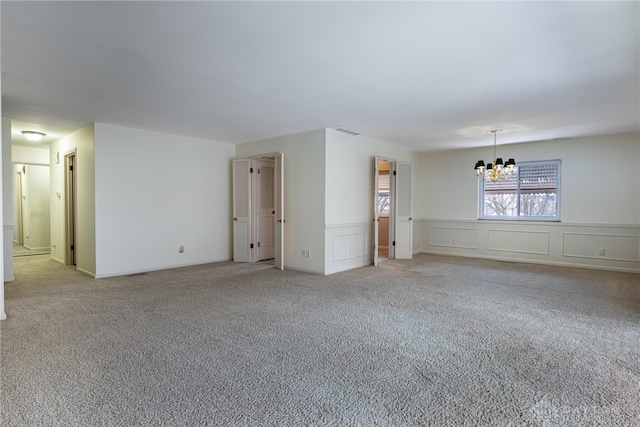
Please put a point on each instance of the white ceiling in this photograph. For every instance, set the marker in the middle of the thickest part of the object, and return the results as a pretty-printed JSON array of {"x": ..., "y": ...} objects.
[{"x": 427, "y": 75}]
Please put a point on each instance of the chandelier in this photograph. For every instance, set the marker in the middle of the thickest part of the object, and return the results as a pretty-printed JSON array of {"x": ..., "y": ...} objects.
[{"x": 496, "y": 170}]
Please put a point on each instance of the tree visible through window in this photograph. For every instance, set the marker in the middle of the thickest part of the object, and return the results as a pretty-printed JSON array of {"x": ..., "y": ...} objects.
[
  {"x": 383, "y": 193},
  {"x": 532, "y": 192}
]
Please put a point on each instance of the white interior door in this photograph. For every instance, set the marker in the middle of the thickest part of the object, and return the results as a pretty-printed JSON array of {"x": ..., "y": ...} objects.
[
  {"x": 242, "y": 210},
  {"x": 403, "y": 218},
  {"x": 266, "y": 209},
  {"x": 279, "y": 209},
  {"x": 376, "y": 213}
]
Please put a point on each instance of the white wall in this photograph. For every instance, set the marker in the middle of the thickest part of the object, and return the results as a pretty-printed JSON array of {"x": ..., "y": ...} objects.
[
  {"x": 600, "y": 205},
  {"x": 82, "y": 142},
  {"x": 304, "y": 190},
  {"x": 36, "y": 205},
  {"x": 349, "y": 197},
  {"x": 5, "y": 132},
  {"x": 591, "y": 193},
  {"x": 349, "y": 172},
  {"x": 155, "y": 192},
  {"x": 30, "y": 155},
  {"x": 8, "y": 225}
]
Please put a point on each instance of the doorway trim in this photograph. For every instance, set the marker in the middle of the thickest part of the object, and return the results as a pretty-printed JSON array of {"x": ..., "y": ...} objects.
[
  {"x": 19, "y": 208},
  {"x": 71, "y": 204},
  {"x": 245, "y": 215},
  {"x": 400, "y": 207},
  {"x": 376, "y": 213}
]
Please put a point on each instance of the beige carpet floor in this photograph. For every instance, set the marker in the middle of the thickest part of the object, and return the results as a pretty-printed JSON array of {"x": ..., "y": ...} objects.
[{"x": 430, "y": 341}]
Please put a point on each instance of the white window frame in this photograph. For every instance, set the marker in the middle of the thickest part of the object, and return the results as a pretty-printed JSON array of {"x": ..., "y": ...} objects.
[{"x": 556, "y": 218}]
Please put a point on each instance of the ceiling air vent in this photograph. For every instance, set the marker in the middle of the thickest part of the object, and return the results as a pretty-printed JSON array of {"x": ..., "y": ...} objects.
[{"x": 347, "y": 131}]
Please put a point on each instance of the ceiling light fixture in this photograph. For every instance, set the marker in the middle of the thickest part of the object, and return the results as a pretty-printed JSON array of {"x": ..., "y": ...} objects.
[
  {"x": 496, "y": 170},
  {"x": 32, "y": 135}
]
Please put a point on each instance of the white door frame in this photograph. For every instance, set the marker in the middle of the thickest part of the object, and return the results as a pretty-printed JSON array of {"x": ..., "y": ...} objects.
[
  {"x": 264, "y": 211},
  {"x": 244, "y": 226},
  {"x": 71, "y": 207},
  {"x": 376, "y": 214}
]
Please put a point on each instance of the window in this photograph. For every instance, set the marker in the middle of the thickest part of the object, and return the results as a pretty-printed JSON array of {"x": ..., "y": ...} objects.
[
  {"x": 383, "y": 193},
  {"x": 531, "y": 193}
]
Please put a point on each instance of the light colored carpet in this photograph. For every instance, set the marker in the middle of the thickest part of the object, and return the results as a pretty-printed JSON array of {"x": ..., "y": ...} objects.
[{"x": 430, "y": 341}]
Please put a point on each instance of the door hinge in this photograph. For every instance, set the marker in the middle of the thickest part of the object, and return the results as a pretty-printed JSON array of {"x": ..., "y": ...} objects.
[
  {"x": 70, "y": 167},
  {"x": 252, "y": 246},
  {"x": 394, "y": 243},
  {"x": 258, "y": 170},
  {"x": 250, "y": 170},
  {"x": 258, "y": 244},
  {"x": 72, "y": 248},
  {"x": 394, "y": 173}
]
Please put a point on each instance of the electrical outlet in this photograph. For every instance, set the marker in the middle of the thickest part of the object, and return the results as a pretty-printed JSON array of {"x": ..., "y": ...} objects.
[
  {"x": 453, "y": 242},
  {"x": 601, "y": 252},
  {"x": 181, "y": 248}
]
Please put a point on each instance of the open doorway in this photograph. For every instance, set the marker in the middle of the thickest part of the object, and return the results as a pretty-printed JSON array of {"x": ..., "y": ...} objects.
[
  {"x": 393, "y": 229},
  {"x": 264, "y": 210},
  {"x": 258, "y": 208},
  {"x": 384, "y": 201},
  {"x": 70, "y": 207},
  {"x": 31, "y": 209}
]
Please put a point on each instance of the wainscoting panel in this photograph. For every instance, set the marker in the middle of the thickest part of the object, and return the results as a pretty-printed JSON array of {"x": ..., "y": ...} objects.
[
  {"x": 454, "y": 237},
  {"x": 555, "y": 243},
  {"x": 348, "y": 246},
  {"x": 521, "y": 241},
  {"x": 601, "y": 246}
]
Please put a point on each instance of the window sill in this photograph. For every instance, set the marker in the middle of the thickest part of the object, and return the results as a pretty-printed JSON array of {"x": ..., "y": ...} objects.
[{"x": 517, "y": 219}]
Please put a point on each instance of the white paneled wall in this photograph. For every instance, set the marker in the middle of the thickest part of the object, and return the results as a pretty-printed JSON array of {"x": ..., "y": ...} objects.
[
  {"x": 608, "y": 247},
  {"x": 349, "y": 246}
]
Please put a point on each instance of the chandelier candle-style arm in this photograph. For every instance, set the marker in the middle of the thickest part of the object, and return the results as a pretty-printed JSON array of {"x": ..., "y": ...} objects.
[{"x": 498, "y": 169}]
